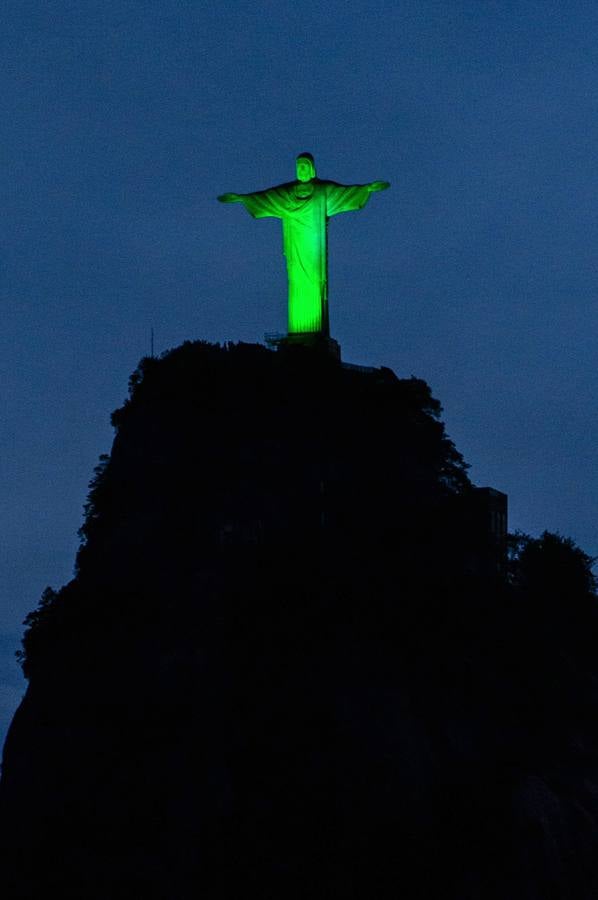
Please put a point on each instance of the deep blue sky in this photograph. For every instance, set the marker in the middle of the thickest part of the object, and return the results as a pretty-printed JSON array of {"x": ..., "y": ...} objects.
[{"x": 477, "y": 271}]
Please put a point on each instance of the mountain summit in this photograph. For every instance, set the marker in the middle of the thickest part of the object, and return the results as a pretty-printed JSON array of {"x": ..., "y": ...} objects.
[{"x": 295, "y": 662}]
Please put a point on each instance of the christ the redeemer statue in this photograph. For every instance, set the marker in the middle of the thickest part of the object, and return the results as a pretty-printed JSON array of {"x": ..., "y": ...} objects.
[{"x": 305, "y": 206}]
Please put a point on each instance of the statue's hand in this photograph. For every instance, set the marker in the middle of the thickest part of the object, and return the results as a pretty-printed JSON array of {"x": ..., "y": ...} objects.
[
  {"x": 378, "y": 186},
  {"x": 229, "y": 198}
]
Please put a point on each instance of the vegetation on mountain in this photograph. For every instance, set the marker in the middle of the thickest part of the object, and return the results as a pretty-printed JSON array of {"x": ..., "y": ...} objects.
[{"x": 282, "y": 668}]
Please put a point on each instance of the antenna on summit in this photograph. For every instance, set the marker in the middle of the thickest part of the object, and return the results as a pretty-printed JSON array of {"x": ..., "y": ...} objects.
[{"x": 152, "y": 342}]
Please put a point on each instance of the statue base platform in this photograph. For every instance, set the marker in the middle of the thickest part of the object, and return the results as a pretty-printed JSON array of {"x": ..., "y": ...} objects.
[{"x": 319, "y": 343}]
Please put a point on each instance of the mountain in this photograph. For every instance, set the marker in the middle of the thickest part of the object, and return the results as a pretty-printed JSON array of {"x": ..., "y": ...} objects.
[{"x": 295, "y": 661}]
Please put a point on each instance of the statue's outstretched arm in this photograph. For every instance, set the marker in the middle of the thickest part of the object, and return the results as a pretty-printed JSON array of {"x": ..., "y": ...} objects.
[
  {"x": 230, "y": 198},
  {"x": 374, "y": 186},
  {"x": 259, "y": 204},
  {"x": 345, "y": 197}
]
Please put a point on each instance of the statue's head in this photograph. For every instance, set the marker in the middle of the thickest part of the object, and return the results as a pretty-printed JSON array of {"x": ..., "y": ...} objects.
[{"x": 306, "y": 169}]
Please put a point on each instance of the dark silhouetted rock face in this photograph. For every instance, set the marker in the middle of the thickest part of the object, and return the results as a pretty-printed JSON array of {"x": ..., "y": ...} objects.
[{"x": 277, "y": 672}]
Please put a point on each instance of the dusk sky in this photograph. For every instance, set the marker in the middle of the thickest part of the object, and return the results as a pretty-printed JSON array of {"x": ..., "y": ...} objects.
[{"x": 477, "y": 271}]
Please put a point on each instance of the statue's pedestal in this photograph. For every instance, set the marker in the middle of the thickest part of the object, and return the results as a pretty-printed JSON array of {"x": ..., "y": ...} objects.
[{"x": 319, "y": 343}]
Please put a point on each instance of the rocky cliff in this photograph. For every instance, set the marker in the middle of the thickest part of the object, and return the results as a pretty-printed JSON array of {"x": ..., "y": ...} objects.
[{"x": 277, "y": 672}]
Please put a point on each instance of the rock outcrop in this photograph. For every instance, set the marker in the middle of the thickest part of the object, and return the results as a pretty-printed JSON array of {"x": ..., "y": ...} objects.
[{"x": 277, "y": 673}]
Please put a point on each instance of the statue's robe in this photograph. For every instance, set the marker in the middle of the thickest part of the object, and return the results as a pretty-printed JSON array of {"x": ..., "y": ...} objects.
[{"x": 305, "y": 208}]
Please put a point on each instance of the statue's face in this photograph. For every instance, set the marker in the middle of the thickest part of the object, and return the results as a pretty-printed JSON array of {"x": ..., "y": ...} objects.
[{"x": 305, "y": 169}]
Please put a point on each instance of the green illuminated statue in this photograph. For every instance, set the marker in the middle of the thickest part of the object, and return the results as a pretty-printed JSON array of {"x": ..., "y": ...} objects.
[{"x": 305, "y": 206}]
